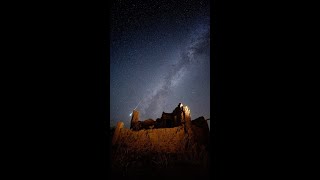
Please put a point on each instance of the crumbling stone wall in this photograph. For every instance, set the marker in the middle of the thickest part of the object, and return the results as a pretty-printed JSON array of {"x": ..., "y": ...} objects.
[
  {"x": 116, "y": 134},
  {"x": 180, "y": 116},
  {"x": 135, "y": 120},
  {"x": 163, "y": 139},
  {"x": 155, "y": 140},
  {"x": 181, "y": 123}
]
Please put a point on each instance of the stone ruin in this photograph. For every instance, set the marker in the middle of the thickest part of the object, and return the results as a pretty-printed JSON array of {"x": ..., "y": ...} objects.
[
  {"x": 167, "y": 145},
  {"x": 180, "y": 117}
]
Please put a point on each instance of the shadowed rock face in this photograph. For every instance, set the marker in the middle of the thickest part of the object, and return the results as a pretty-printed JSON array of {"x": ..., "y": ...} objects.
[
  {"x": 148, "y": 124},
  {"x": 200, "y": 130},
  {"x": 200, "y": 122}
]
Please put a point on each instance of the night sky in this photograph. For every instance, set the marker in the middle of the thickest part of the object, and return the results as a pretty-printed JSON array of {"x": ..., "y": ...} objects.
[{"x": 159, "y": 56}]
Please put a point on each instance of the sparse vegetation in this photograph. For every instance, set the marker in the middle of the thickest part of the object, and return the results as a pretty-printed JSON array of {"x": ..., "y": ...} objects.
[{"x": 154, "y": 150}]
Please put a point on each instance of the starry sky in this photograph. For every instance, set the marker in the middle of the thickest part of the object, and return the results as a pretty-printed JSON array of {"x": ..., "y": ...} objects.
[{"x": 159, "y": 56}]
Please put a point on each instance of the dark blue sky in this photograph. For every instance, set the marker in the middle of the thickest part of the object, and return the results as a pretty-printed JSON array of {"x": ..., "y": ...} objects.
[{"x": 160, "y": 55}]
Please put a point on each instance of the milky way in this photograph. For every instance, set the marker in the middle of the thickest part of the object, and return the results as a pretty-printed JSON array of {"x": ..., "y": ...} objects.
[
  {"x": 160, "y": 56},
  {"x": 154, "y": 101}
]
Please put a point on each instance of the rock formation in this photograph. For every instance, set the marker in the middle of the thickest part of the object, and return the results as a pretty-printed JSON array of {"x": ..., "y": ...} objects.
[
  {"x": 200, "y": 130},
  {"x": 172, "y": 139},
  {"x": 117, "y": 132},
  {"x": 135, "y": 125},
  {"x": 180, "y": 117}
]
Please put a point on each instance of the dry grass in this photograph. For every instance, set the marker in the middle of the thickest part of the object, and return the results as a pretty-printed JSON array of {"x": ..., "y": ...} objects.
[{"x": 154, "y": 149}]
